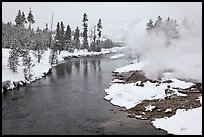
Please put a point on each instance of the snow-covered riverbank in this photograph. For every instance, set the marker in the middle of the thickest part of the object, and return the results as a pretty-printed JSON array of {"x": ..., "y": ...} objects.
[
  {"x": 128, "y": 95},
  {"x": 39, "y": 70}
]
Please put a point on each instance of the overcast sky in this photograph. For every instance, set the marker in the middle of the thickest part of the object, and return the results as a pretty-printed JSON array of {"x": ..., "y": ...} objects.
[{"x": 110, "y": 12}]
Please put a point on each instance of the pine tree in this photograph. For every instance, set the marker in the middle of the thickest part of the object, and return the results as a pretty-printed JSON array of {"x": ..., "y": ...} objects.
[
  {"x": 18, "y": 18},
  {"x": 27, "y": 63},
  {"x": 53, "y": 58},
  {"x": 57, "y": 36},
  {"x": 46, "y": 36},
  {"x": 150, "y": 25},
  {"x": 68, "y": 38},
  {"x": 93, "y": 43},
  {"x": 30, "y": 19},
  {"x": 39, "y": 46},
  {"x": 76, "y": 41},
  {"x": 23, "y": 19},
  {"x": 85, "y": 32},
  {"x": 99, "y": 28},
  {"x": 61, "y": 38},
  {"x": 13, "y": 60},
  {"x": 158, "y": 22},
  {"x": 46, "y": 27}
]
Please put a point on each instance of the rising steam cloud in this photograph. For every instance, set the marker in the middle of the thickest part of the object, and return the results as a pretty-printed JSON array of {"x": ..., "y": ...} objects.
[{"x": 183, "y": 57}]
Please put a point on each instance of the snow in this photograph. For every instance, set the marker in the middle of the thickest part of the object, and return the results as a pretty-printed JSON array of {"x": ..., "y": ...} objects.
[
  {"x": 168, "y": 110},
  {"x": 183, "y": 123},
  {"x": 40, "y": 69},
  {"x": 117, "y": 81},
  {"x": 200, "y": 99},
  {"x": 117, "y": 56},
  {"x": 129, "y": 95},
  {"x": 130, "y": 67},
  {"x": 149, "y": 108}
]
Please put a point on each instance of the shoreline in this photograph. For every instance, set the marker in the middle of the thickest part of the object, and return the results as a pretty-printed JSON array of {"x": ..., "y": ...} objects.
[{"x": 8, "y": 85}]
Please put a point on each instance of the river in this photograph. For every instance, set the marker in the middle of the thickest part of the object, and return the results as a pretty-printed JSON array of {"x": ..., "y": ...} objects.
[{"x": 70, "y": 101}]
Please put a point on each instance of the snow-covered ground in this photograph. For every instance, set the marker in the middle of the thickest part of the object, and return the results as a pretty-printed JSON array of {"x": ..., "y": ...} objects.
[
  {"x": 183, "y": 123},
  {"x": 131, "y": 94},
  {"x": 40, "y": 69},
  {"x": 117, "y": 56},
  {"x": 130, "y": 67}
]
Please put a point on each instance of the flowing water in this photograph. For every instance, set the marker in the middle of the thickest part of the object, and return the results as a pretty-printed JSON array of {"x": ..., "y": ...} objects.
[{"x": 70, "y": 101}]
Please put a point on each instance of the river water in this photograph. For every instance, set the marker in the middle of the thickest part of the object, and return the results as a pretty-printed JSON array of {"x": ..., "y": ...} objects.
[{"x": 70, "y": 101}]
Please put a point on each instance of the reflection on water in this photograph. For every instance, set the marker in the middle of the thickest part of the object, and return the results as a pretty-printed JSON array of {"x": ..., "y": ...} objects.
[
  {"x": 68, "y": 67},
  {"x": 77, "y": 64},
  {"x": 83, "y": 65}
]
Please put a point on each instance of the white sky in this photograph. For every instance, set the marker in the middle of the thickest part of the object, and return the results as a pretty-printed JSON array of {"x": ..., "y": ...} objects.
[{"x": 110, "y": 12}]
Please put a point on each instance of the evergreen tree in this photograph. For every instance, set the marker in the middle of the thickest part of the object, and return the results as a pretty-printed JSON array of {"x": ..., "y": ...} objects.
[
  {"x": 93, "y": 43},
  {"x": 18, "y": 18},
  {"x": 46, "y": 27},
  {"x": 13, "y": 60},
  {"x": 76, "y": 41},
  {"x": 30, "y": 19},
  {"x": 27, "y": 63},
  {"x": 62, "y": 37},
  {"x": 53, "y": 58},
  {"x": 150, "y": 25},
  {"x": 68, "y": 38},
  {"x": 158, "y": 22},
  {"x": 46, "y": 36},
  {"x": 99, "y": 28},
  {"x": 85, "y": 32},
  {"x": 39, "y": 46},
  {"x": 23, "y": 19},
  {"x": 57, "y": 36}
]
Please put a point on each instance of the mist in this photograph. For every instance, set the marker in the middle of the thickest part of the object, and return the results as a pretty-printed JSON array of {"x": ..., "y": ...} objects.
[{"x": 183, "y": 57}]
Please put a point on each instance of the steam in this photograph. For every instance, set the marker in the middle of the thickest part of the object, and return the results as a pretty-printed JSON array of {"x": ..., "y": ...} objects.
[{"x": 183, "y": 57}]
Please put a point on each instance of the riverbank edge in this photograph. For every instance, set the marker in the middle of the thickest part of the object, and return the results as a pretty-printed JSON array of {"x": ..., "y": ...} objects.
[{"x": 10, "y": 85}]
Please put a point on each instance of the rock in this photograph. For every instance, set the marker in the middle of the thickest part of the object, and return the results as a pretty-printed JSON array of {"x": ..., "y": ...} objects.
[
  {"x": 6, "y": 85},
  {"x": 131, "y": 116}
]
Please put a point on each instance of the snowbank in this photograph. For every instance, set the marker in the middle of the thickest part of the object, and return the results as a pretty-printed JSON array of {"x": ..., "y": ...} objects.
[
  {"x": 117, "y": 56},
  {"x": 129, "y": 95},
  {"x": 183, "y": 123},
  {"x": 130, "y": 67}
]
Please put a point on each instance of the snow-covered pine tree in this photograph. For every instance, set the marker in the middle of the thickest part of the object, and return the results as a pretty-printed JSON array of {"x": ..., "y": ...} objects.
[
  {"x": 93, "y": 43},
  {"x": 30, "y": 19},
  {"x": 57, "y": 37},
  {"x": 68, "y": 38},
  {"x": 18, "y": 18},
  {"x": 62, "y": 38},
  {"x": 27, "y": 68},
  {"x": 99, "y": 29},
  {"x": 39, "y": 47},
  {"x": 158, "y": 22},
  {"x": 85, "y": 32},
  {"x": 13, "y": 60},
  {"x": 150, "y": 25},
  {"x": 46, "y": 36},
  {"x": 76, "y": 41},
  {"x": 27, "y": 62},
  {"x": 53, "y": 58},
  {"x": 23, "y": 19}
]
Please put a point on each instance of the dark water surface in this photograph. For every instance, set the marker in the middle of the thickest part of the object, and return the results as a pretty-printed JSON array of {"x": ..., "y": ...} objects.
[{"x": 70, "y": 101}]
